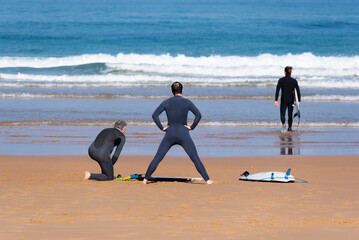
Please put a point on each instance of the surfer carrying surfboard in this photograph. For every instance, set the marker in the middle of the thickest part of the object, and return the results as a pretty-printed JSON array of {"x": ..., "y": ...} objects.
[
  {"x": 177, "y": 130},
  {"x": 287, "y": 85},
  {"x": 100, "y": 150}
]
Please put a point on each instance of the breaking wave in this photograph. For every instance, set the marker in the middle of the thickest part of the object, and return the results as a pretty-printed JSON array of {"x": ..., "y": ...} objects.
[{"x": 134, "y": 70}]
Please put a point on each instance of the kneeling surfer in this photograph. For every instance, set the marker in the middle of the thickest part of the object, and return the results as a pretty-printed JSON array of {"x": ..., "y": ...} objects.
[{"x": 101, "y": 149}]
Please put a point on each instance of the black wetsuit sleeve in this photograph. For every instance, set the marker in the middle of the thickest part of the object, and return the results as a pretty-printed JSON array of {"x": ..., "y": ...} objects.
[
  {"x": 197, "y": 115},
  {"x": 156, "y": 114},
  {"x": 298, "y": 90},
  {"x": 277, "y": 90},
  {"x": 118, "y": 150}
]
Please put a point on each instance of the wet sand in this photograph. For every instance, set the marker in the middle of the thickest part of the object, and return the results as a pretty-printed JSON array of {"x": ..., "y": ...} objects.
[
  {"x": 210, "y": 141},
  {"x": 45, "y": 197}
]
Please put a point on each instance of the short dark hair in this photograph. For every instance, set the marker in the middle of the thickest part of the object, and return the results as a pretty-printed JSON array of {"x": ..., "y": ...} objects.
[
  {"x": 288, "y": 70},
  {"x": 121, "y": 124},
  {"x": 176, "y": 88}
]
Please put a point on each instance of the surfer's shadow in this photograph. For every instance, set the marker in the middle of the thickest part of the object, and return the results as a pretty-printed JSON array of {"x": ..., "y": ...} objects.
[{"x": 164, "y": 182}]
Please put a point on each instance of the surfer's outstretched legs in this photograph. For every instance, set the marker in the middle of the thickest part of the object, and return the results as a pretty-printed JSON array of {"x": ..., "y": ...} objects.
[
  {"x": 161, "y": 153},
  {"x": 188, "y": 145},
  {"x": 191, "y": 150}
]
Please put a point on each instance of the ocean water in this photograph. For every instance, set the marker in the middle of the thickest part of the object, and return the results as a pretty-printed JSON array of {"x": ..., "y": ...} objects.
[{"x": 87, "y": 63}]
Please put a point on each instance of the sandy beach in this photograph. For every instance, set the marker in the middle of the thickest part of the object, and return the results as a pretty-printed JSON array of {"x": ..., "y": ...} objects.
[{"x": 45, "y": 197}]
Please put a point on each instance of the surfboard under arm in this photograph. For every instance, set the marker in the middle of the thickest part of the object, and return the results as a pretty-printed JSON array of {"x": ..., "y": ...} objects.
[{"x": 296, "y": 104}]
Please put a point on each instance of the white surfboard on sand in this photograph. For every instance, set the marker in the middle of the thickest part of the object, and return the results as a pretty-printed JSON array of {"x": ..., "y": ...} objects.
[{"x": 268, "y": 177}]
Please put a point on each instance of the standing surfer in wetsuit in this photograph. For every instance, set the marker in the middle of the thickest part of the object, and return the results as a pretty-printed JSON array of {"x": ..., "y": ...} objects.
[
  {"x": 287, "y": 84},
  {"x": 101, "y": 149},
  {"x": 177, "y": 130}
]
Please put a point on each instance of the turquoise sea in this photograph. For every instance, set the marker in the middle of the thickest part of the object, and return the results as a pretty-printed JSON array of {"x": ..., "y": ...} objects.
[{"x": 70, "y": 68}]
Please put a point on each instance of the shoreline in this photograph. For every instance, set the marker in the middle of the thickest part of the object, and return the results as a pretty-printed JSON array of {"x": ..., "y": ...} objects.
[
  {"x": 45, "y": 197},
  {"x": 210, "y": 141}
]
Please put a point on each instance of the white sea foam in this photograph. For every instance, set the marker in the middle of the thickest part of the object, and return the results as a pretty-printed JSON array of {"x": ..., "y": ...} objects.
[
  {"x": 121, "y": 81},
  {"x": 262, "y": 65},
  {"x": 277, "y": 125},
  {"x": 50, "y": 62},
  {"x": 203, "y": 124},
  {"x": 131, "y": 70},
  {"x": 111, "y": 80},
  {"x": 347, "y": 98},
  {"x": 313, "y": 98},
  {"x": 85, "y": 96},
  {"x": 265, "y": 65}
]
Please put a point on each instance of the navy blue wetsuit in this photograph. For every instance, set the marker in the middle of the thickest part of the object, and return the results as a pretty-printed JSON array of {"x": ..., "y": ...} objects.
[
  {"x": 101, "y": 149},
  {"x": 287, "y": 84},
  {"x": 177, "y": 109}
]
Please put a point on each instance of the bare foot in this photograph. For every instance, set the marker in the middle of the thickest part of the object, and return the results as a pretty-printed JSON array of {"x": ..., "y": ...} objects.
[
  {"x": 144, "y": 181},
  {"x": 87, "y": 175},
  {"x": 209, "y": 182}
]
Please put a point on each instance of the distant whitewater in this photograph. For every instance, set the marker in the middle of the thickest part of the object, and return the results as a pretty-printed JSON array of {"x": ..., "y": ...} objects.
[{"x": 142, "y": 70}]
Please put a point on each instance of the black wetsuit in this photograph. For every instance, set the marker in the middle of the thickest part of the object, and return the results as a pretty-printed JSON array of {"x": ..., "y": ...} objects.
[
  {"x": 100, "y": 151},
  {"x": 177, "y": 109},
  {"x": 287, "y": 84}
]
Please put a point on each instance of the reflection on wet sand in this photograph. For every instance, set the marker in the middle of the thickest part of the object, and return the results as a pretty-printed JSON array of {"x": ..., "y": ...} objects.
[
  {"x": 288, "y": 143},
  {"x": 210, "y": 141}
]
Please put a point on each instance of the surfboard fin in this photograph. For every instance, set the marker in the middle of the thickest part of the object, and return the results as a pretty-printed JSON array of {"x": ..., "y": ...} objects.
[{"x": 287, "y": 173}]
